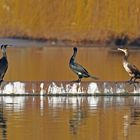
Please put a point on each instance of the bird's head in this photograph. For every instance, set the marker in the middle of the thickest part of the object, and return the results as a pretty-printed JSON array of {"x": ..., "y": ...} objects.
[
  {"x": 123, "y": 50},
  {"x": 4, "y": 46},
  {"x": 75, "y": 49}
]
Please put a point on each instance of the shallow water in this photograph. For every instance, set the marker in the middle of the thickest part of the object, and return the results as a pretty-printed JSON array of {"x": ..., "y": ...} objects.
[{"x": 79, "y": 118}]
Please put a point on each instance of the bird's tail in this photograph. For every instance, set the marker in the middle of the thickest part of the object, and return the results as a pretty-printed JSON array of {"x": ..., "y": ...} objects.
[{"x": 94, "y": 77}]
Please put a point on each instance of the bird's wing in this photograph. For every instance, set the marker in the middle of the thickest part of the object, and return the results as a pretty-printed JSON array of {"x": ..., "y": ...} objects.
[
  {"x": 80, "y": 69},
  {"x": 134, "y": 68},
  {"x": 3, "y": 67}
]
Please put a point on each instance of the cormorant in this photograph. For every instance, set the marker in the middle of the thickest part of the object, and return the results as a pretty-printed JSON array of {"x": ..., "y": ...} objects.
[
  {"x": 3, "y": 63},
  {"x": 132, "y": 70},
  {"x": 78, "y": 69}
]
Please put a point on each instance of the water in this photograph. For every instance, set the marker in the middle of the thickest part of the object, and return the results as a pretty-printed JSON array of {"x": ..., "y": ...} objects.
[
  {"x": 37, "y": 63},
  {"x": 69, "y": 118},
  {"x": 31, "y": 61},
  {"x": 44, "y": 69}
]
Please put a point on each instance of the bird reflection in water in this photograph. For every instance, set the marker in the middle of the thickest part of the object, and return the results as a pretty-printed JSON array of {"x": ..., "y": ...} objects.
[
  {"x": 77, "y": 120},
  {"x": 135, "y": 116},
  {"x": 3, "y": 125}
]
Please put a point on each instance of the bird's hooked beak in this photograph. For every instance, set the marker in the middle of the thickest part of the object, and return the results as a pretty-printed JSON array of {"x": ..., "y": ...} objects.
[
  {"x": 123, "y": 50},
  {"x": 120, "y": 49}
]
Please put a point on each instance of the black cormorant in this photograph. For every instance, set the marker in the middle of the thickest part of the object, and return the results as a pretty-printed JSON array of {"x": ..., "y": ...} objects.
[
  {"x": 3, "y": 63},
  {"x": 78, "y": 69},
  {"x": 132, "y": 70}
]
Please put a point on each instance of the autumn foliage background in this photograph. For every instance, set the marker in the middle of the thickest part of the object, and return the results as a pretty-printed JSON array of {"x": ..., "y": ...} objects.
[{"x": 70, "y": 19}]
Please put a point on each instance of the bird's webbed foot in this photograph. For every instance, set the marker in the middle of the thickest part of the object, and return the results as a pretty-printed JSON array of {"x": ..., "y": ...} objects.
[
  {"x": 135, "y": 80},
  {"x": 131, "y": 81},
  {"x": 76, "y": 81}
]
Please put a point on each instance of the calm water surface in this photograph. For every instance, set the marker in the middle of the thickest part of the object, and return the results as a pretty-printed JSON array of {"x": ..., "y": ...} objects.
[
  {"x": 69, "y": 118},
  {"x": 52, "y": 63}
]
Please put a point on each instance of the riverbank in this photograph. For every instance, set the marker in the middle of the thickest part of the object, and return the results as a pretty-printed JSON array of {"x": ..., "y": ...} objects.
[
  {"x": 81, "y": 22},
  {"x": 110, "y": 42}
]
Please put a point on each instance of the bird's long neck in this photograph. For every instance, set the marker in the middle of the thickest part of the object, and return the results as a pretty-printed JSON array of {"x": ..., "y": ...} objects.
[
  {"x": 73, "y": 57},
  {"x": 125, "y": 59},
  {"x": 4, "y": 53}
]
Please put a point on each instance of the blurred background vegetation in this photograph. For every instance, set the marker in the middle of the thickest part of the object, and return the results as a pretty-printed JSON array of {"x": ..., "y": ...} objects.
[{"x": 97, "y": 20}]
